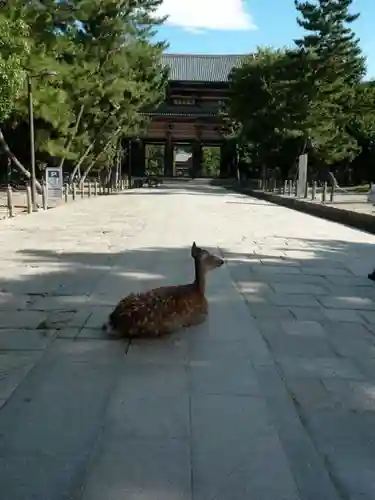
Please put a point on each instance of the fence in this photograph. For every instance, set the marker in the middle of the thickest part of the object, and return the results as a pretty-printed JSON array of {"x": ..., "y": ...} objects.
[
  {"x": 314, "y": 192},
  {"x": 14, "y": 202}
]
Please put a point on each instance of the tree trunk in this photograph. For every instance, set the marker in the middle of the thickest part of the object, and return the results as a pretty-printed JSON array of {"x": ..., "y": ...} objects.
[
  {"x": 81, "y": 160},
  {"x": 70, "y": 140},
  {"x": 109, "y": 142},
  {"x": 89, "y": 148},
  {"x": 12, "y": 157}
]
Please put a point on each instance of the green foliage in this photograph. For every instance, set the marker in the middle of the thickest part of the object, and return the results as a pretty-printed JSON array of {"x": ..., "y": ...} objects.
[
  {"x": 107, "y": 71},
  {"x": 154, "y": 159},
  {"x": 264, "y": 112},
  {"x": 312, "y": 97},
  {"x": 14, "y": 49},
  {"x": 211, "y": 161}
]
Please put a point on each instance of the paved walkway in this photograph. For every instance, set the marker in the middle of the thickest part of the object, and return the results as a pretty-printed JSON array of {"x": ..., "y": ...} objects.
[
  {"x": 272, "y": 399},
  {"x": 355, "y": 202}
]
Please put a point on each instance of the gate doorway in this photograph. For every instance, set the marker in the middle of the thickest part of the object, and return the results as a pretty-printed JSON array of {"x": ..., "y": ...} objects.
[
  {"x": 211, "y": 159},
  {"x": 183, "y": 160},
  {"x": 154, "y": 159}
]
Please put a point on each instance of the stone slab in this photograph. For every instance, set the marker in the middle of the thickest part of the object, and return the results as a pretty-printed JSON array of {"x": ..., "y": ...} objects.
[
  {"x": 21, "y": 319},
  {"x": 14, "y": 366},
  {"x": 208, "y": 410},
  {"x": 345, "y": 439},
  {"x": 320, "y": 367},
  {"x": 297, "y": 288},
  {"x": 40, "y": 476},
  {"x": 311, "y": 475},
  {"x": 233, "y": 442},
  {"x": 157, "y": 469}
]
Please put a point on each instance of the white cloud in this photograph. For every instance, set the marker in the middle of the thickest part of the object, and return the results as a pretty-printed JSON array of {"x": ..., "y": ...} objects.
[{"x": 195, "y": 15}]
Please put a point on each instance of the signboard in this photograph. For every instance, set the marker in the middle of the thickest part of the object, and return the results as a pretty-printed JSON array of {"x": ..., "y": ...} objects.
[
  {"x": 54, "y": 182},
  {"x": 302, "y": 176}
]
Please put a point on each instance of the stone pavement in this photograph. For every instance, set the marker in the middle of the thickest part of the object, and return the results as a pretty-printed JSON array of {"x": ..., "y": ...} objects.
[
  {"x": 272, "y": 399},
  {"x": 355, "y": 202}
]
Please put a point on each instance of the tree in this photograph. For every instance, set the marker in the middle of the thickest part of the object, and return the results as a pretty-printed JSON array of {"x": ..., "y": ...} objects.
[
  {"x": 211, "y": 161},
  {"x": 329, "y": 35},
  {"x": 14, "y": 50},
  {"x": 267, "y": 109},
  {"x": 362, "y": 128},
  {"x": 334, "y": 68},
  {"x": 108, "y": 71},
  {"x": 124, "y": 74},
  {"x": 310, "y": 98},
  {"x": 52, "y": 110}
]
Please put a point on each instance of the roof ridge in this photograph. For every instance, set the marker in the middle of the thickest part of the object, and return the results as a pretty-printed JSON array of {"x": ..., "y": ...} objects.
[
  {"x": 202, "y": 67},
  {"x": 173, "y": 54}
]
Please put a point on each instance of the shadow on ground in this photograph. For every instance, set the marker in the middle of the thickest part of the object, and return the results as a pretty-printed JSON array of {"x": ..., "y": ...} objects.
[
  {"x": 191, "y": 188},
  {"x": 62, "y": 290},
  {"x": 51, "y": 297}
]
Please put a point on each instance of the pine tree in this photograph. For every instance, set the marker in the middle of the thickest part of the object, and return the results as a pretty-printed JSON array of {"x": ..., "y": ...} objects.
[
  {"x": 14, "y": 48},
  {"x": 117, "y": 66},
  {"x": 108, "y": 69},
  {"x": 335, "y": 67},
  {"x": 330, "y": 36}
]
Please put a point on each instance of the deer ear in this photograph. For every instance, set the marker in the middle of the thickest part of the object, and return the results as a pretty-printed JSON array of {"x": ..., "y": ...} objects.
[{"x": 193, "y": 249}]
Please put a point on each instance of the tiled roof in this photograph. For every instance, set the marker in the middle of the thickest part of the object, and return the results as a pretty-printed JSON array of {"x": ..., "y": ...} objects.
[
  {"x": 181, "y": 114},
  {"x": 201, "y": 68},
  {"x": 165, "y": 109}
]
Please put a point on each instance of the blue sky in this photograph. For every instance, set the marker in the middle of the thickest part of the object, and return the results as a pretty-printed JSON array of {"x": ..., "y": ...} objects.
[{"x": 239, "y": 26}]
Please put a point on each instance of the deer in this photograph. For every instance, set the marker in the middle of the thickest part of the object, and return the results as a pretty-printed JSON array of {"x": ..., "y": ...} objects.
[{"x": 166, "y": 309}]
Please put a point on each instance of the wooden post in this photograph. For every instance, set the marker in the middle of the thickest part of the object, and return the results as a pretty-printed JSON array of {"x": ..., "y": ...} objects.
[
  {"x": 313, "y": 192},
  {"x": 90, "y": 190},
  {"x": 74, "y": 192},
  {"x": 66, "y": 192},
  {"x": 10, "y": 201},
  {"x": 306, "y": 190},
  {"x": 95, "y": 188},
  {"x": 109, "y": 186},
  {"x": 285, "y": 187},
  {"x": 324, "y": 193},
  {"x": 44, "y": 196},
  {"x": 290, "y": 187},
  {"x": 28, "y": 199},
  {"x": 82, "y": 187},
  {"x": 332, "y": 194}
]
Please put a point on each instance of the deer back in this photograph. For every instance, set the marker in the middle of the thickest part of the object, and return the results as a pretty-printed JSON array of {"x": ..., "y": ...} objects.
[{"x": 159, "y": 311}]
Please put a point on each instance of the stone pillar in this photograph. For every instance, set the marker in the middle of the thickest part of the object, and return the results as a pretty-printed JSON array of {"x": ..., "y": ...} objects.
[
  {"x": 231, "y": 158},
  {"x": 197, "y": 159},
  {"x": 226, "y": 160},
  {"x": 169, "y": 157},
  {"x": 125, "y": 157},
  {"x": 137, "y": 158},
  {"x": 142, "y": 159},
  {"x": 133, "y": 158}
]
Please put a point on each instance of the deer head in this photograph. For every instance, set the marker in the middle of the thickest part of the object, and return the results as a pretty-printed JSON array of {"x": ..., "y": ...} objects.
[{"x": 207, "y": 261}]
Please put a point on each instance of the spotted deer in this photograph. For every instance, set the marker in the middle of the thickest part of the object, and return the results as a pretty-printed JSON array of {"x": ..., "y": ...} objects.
[{"x": 166, "y": 309}]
